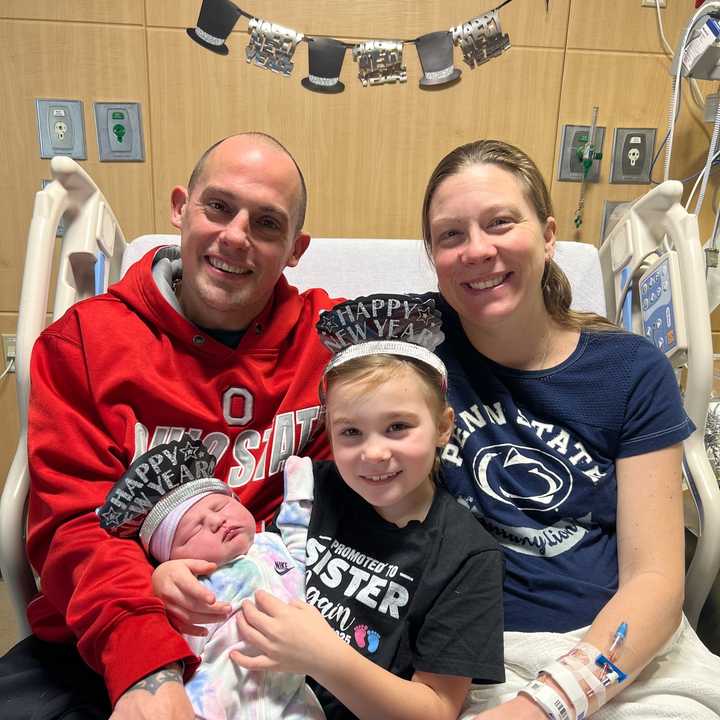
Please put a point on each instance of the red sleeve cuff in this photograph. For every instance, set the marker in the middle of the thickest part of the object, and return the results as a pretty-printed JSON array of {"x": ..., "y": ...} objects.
[{"x": 137, "y": 645}]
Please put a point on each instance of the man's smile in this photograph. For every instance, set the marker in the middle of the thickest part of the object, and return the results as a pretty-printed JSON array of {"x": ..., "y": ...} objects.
[{"x": 227, "y": 267}]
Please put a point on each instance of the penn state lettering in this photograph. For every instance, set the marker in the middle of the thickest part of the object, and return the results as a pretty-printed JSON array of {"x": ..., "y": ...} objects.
[{"x": 556, "y": 438}]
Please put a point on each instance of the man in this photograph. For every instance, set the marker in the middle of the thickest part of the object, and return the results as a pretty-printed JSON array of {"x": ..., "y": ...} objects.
[{"x": 209, "y": 340}]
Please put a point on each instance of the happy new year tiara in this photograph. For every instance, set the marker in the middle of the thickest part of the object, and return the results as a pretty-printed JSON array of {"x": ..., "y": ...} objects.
[
  {"x": 403, "y": 325},
  {"x": 155, "y": 483}
]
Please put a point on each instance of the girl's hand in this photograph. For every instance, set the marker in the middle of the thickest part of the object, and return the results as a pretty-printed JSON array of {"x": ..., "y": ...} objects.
[
  {"x": 290, "y": 637},
  {"x": 188, "y": 602}
]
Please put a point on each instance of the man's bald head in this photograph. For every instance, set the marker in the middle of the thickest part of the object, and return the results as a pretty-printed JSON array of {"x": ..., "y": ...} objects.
[{"x": 270, "y": 141}]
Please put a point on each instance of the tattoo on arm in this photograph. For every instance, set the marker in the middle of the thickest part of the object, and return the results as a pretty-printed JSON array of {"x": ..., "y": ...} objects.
[{"x": 155, "y": 680}]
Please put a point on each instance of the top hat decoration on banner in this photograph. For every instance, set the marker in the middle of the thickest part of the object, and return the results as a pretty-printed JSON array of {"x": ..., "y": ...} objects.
[
  {"x": 325, "y": 60},
  {"x": 436, "y": 57},
  {"x": 216, "y": 21},
  {"x": 272, "y": 46}
]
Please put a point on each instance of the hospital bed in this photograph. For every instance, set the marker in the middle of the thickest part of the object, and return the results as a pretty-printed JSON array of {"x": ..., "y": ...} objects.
[{"x": 94, "y": 253}]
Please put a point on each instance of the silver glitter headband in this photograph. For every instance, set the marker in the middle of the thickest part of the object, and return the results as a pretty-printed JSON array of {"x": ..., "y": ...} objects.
[
  {"x": 174, "y": 498},
  {"x": 391, "y": 347}
]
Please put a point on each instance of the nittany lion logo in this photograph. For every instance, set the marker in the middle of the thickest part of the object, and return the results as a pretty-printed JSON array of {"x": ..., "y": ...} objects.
[{"x": 525, "y": 477}]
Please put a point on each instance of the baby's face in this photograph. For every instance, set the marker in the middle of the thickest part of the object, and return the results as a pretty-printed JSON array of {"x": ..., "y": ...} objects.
[{"x": 217, "y": 528}]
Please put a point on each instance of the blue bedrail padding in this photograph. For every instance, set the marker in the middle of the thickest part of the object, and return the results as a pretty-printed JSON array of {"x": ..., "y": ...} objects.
[{"x": 100, "y": 273}]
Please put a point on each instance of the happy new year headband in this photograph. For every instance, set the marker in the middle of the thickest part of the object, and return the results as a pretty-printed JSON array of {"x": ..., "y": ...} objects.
[
  {"x": 157, "y": 482},
  {"x": 403, "y": 325}
]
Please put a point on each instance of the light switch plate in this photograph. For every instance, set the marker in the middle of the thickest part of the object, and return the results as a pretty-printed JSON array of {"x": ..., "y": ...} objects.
[
  {"x": 61, "y": 128},
  {"x": 119, "y": 132},
  {"x": 9, "y": 343},
  {"x": 570, "y": 166},
  {"x": 633, "y": 150}
]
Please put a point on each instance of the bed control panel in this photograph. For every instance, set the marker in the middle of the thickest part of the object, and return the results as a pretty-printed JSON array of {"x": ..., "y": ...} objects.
[{"x": 661, "y": 307}]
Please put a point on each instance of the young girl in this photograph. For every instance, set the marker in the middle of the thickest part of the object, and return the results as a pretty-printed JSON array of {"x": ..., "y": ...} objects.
[{"x": 403, "y": 585}]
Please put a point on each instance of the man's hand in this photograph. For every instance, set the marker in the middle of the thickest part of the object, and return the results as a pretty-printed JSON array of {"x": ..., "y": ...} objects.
[
  {"x": 289, "y": 637},
  {"x": 159, "y": 696},
  {"x": 188, "y": 602}
]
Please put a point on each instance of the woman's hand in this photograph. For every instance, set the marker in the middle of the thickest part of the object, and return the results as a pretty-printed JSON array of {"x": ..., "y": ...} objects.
[
  {"x": 290, "y": 637},
  {"x": 188, "y": 603}
]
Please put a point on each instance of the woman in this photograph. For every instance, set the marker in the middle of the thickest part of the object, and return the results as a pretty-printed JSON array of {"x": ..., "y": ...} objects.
[{"x": 568, "y": 445}]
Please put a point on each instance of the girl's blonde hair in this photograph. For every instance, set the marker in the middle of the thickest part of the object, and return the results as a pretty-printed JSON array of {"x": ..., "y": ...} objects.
[
  {"x": 556, "y": 291},
  {"x": 380, "y": 368}
]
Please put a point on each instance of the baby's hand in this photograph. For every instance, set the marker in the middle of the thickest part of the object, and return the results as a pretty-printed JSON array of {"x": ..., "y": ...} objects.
[{"x": 188, "y": 603}]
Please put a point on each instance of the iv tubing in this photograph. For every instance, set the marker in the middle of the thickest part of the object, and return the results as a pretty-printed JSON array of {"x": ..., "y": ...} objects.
[
  {"x": 706, "y": 172},
  {"x": 704, "y": 10}
]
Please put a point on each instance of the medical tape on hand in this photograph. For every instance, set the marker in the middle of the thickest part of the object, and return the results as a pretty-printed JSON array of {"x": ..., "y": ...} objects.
[
  {"x": 548, "y": 699},
  {"x": 584, "y": 651},
  {"x": 569, "y": 684},
  {"x": 584, "y": 670}
]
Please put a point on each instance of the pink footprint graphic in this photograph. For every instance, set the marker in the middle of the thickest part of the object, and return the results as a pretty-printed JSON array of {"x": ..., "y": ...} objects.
[{"x": 360, "y": 635}]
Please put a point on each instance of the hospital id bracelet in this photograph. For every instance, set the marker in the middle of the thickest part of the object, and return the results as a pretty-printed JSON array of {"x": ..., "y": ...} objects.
[
  {"x": 569, "y": 684},
  {"x": 548, "y": 699}
]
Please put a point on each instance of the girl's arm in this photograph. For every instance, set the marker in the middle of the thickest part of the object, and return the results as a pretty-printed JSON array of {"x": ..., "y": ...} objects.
[
  {"x": 651, "y": 572},
  {"x": 296, "y": 638},
  {"x": 293, "y": 519}
]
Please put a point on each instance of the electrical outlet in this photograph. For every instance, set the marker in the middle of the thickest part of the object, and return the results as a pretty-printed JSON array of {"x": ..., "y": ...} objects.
[
  {"x": 8, "y": 348},
  {"x": 61, "y": 128},
  {"x": 633, "y": 150},
  {"x": 651, "y": 3}
]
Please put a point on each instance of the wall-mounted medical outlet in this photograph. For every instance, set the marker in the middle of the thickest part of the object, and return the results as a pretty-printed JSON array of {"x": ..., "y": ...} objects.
[
  {"x": 8, "y": 350},
  {"x": 651, "y": 3},
  {"x": 632, "y": 155},
  {"x": 61, "y": 225},
  {"x": 574, "y": 139},
  {"x": 119, "y": 132},
  {"x": 61, "y": 128},
  {"x": 608, "y": 209}
]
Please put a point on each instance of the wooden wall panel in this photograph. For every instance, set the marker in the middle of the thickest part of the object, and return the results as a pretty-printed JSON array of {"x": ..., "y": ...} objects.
[
  {"x": 104, "y": 11},
  {"x": 70, "y": 61},
  {"x": 625, "y": 25},
  {"x": 367, "y": 152},
  {"x": 526, "y": 22}
]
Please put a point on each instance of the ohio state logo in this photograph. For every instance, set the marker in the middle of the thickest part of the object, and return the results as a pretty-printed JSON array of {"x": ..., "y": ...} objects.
[{"x": 525, "y": 477}]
